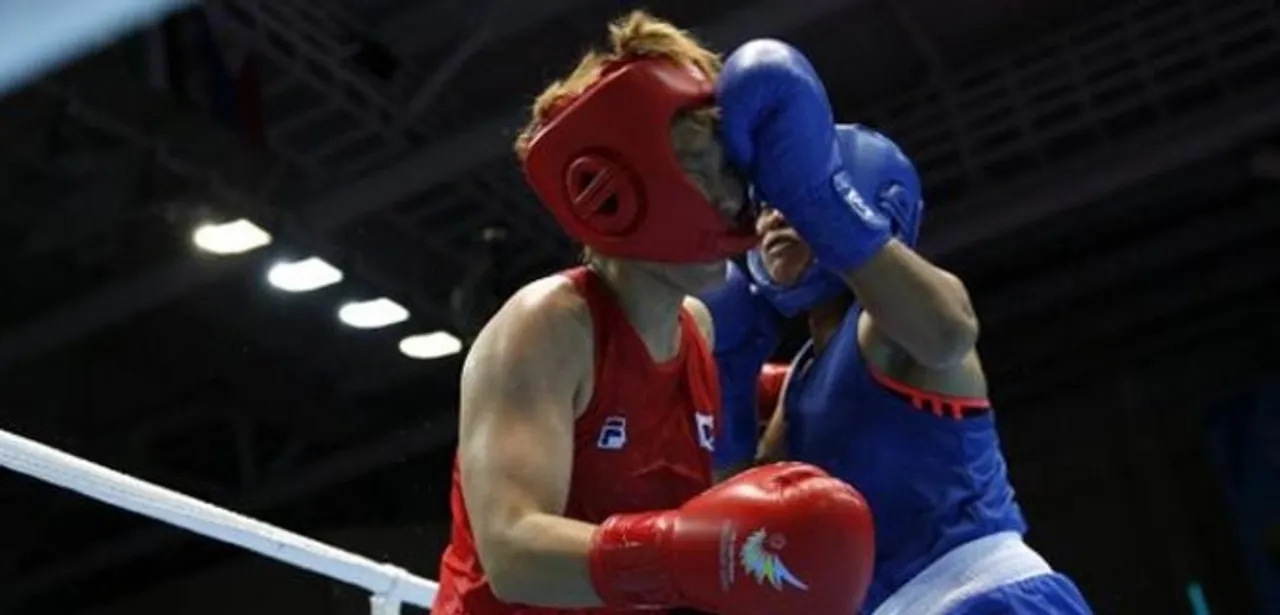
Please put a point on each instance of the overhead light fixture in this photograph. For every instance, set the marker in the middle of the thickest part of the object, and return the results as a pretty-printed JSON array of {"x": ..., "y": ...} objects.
[
  {"x": 372, "y": 314},
  {"x": 303, "y": 276},
  {"x": 435, "y": 345},
  {"x": 236, "y": 237}
]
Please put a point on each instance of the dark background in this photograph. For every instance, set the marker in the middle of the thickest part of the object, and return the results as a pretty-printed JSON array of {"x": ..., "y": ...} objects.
[{"x": 1104, "y": 175}]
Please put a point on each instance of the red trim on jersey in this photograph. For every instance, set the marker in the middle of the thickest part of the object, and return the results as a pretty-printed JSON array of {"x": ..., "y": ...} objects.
[{"x": 955, "y": 406}]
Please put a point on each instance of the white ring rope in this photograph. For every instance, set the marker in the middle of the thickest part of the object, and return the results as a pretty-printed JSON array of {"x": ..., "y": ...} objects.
[{"x": 390, "y": 585}]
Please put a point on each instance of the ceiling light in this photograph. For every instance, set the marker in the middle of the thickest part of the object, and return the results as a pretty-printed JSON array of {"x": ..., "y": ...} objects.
[
  {"x": 433, "y": 345},
  {"x": 235, "y": 237},
  {"x": 373, "y": 314},
  {"x": 304, "y": 275}
]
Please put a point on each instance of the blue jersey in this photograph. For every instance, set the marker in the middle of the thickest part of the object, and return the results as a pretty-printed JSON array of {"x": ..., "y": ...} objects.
[{"x": 930, "y": 467}]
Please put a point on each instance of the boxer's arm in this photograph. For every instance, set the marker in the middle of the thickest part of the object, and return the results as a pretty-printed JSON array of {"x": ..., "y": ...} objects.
[
  {"x": 773, "y": 442},
  {"x": 964, "y": 379},
  {"x": 919, "y": 307},
  {"x": 706, "y": 326},
  {"x": 519, "y": 386},
  {"x": 702, "y": 316},
  {"x": 746, "y": 333}
]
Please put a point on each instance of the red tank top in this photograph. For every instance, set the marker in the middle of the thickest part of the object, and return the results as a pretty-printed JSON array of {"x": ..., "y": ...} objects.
[{"x": 643, "y": 443}]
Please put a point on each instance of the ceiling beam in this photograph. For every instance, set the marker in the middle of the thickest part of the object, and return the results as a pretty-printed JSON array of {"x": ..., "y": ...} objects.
[
  {"x": 443, "y": 161},
  {"x": 1115, "y": 266},
  {"x": 404, "y": 30},
  {"x": 119, "y": 300},
  {"x": 1210, "y": 340},
  {"x": 1091, "y": 179},
  {"x": 111, "y": 304},
  {"x": 1104, "y": 324},
  {"x": 490, "y": 139},
  {"x": 494, "y": 22}
]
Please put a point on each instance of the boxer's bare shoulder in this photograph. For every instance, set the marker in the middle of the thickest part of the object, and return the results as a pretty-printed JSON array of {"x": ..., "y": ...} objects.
[
  {"x": 551, "y": 301},
  {"x": 702, "y": 316},
  {"x": 540, "y": 338}
]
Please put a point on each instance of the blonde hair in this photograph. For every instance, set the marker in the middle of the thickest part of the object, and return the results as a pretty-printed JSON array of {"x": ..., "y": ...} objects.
[{"x": 637, "y": 34}]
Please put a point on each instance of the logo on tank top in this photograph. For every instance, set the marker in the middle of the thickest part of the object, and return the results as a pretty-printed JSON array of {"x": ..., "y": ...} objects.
[
  {"x": 706, "y": 424},
  {"x": 613, "y": 434},
  {"x": 760, "y": 559}
]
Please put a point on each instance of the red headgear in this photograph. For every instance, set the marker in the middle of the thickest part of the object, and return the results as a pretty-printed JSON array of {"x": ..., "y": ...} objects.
[{"x": 605, "y": 167}]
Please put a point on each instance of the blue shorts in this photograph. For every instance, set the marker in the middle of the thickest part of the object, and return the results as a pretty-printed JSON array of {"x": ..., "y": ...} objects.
[{"x": 1046, "y": 594}]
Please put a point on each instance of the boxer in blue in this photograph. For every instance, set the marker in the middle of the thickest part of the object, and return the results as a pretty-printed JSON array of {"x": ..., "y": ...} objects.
[{"x": 889, "y": 393}]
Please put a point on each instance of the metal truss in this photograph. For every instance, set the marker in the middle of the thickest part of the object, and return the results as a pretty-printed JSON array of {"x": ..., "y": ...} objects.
[
  {"x": 48, "y": 183},
  {"x": 351, "y": 122},
  {"x": 444, "y": 161},
  {"x": 207, "y": 161},
  {"x": 315, "y": 50},
  {"x": 1137, "y": 91},
  {"x": 327, "y": 71},
  {"x": 1223, "y": 288},
  {"x": 1127, "y": 69},
  {"x": 1209, "y": 352},
  {"x": 1112, "y": 269},
  {"x": 1113, "y": 87},
  {"x": 1075, "y": 84}
]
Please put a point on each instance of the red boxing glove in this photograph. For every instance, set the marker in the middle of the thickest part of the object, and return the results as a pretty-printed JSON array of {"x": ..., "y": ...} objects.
[
  {"x": 769, "y": 389},
  {"x": 781, "y": 538}
]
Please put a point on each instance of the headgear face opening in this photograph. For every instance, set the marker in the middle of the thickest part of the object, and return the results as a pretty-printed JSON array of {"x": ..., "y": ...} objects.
[
  {"x": 817, "y": 284},
  {"x": 882, "y": 178},
  {"x": 606, "y": 169}
]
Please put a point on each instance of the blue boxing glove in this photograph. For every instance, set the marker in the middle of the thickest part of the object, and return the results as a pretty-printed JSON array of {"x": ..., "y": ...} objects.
[
  {"x": 884, "y": 175},
  {"x": 747, "y": 332},
  {"x": 777, "y": 127}
]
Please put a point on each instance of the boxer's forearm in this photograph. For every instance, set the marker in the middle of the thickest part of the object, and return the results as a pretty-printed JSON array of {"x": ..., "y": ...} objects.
[
  {"x": 771, "y": 449},
  {"x": 545, "y": 563},
  {"x": 773, "y": 442},
  {"x": 918, "y": 306}
]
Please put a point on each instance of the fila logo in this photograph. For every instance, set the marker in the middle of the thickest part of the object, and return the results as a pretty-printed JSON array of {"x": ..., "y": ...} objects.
[
  {"x": 706, "y": 423},
  {"x": 613, "y": 434}
]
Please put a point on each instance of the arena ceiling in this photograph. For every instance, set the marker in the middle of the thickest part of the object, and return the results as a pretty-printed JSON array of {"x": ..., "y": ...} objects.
[{"x": 1103, "y": 174}]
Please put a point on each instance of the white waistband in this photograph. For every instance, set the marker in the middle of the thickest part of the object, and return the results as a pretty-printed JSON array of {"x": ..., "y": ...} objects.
[{"x": 968, "y": 570}]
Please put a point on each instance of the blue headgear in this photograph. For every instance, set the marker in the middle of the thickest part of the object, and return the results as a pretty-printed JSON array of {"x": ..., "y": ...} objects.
[{"x": 887, "y": 179}]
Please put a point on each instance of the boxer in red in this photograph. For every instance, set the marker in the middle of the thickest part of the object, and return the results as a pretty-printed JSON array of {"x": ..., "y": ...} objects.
[{"x": 583, "y": 477}]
